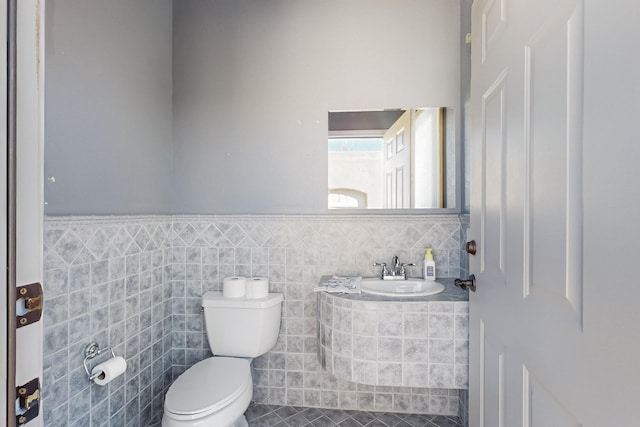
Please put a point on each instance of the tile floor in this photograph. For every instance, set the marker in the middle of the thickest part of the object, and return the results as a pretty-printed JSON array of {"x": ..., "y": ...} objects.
[{"x": 291, "y": 416}]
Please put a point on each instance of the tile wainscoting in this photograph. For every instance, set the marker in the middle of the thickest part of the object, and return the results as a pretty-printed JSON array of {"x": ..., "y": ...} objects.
[
  {"x": 135, "y": 283},
  {"x": 105, "y": 281}
]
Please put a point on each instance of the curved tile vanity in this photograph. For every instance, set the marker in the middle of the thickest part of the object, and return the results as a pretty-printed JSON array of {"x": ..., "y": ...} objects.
[{"x": 410, "y": 342}]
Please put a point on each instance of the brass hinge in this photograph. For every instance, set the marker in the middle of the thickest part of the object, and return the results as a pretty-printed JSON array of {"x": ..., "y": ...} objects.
[
  {"x": 28, "y": 401},
  {"x": 29, "y": 304}
]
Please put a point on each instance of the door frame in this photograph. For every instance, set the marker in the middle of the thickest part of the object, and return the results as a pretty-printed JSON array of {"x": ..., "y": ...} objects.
[{"x": 25, "y": 213}]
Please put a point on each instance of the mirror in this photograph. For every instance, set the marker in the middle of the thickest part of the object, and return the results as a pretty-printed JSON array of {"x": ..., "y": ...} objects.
[{"x": 398, "y": 158}]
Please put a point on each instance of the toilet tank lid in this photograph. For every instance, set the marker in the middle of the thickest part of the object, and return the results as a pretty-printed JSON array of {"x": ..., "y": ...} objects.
[{"x": 215, "y": 299}]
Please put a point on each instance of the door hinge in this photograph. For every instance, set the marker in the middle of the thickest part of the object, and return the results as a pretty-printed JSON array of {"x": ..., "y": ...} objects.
[
  {"x": 29, "y": 304},
  {"x": 27, "y": 401}
]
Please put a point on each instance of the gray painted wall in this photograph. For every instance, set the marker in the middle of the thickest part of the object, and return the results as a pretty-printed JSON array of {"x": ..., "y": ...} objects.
[
  {"x": 253, "y": 81},
  {"x": 108, "y": 106}
]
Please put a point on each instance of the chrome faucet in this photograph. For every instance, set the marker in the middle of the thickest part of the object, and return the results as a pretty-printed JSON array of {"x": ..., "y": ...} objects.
[{"x": 397, "y": 270}]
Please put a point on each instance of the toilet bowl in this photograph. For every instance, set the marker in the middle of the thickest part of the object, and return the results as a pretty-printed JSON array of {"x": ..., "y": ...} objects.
[
  {"x": 217, "y": 391},
  {"x": 213, "y": 393}
]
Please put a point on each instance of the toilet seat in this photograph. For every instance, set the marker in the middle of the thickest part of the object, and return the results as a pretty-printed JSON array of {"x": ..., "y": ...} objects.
[{"x": 207, "y": 387}]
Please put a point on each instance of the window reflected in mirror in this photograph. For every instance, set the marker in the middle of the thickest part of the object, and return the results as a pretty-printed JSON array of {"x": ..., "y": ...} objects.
[{"x": 388, "y": 159}]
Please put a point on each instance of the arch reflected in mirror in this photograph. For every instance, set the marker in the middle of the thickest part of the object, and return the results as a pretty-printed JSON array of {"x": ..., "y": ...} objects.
[
  {"x": 395, "y": 158},
  {"x": 347, "y": 198}
]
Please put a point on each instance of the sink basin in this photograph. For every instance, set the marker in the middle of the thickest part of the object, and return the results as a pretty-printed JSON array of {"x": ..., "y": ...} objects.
[{"x": 401, "y": 288}]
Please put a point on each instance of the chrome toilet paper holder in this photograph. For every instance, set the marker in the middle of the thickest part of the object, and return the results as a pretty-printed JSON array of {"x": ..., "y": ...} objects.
[{"x": 91, "y": 351}]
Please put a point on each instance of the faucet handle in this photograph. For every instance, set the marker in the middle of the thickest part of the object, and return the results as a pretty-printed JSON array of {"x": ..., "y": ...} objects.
[
  {"x": 384, "y": 271},
  {"x": 403, "y": 272}
]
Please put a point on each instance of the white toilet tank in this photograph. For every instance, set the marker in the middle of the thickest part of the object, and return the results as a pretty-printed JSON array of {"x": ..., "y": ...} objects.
[{"x": 242, "y": 327}]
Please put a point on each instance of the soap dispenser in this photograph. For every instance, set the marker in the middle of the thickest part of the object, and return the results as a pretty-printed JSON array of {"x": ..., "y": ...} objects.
[{"x": 429, "y": 267}]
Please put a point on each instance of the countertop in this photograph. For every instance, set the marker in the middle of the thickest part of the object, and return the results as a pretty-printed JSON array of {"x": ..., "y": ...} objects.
[{"x": 451, "y": 293}]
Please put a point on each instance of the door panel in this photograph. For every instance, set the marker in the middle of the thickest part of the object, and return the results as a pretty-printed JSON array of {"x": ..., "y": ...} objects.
[
  {"x": 553, "y": 324},
  {"x": 553, "y": 100},
  {"x": 492, "y": 377},
  {"x": 492, "y": 215},
  {"x": 542, "y": 408},
  {"x": 400, "y": 186},
  {"x": 493, "y": 20}
]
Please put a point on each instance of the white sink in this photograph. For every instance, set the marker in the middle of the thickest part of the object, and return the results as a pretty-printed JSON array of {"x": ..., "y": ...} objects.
[{"x": 401, "y": 288}]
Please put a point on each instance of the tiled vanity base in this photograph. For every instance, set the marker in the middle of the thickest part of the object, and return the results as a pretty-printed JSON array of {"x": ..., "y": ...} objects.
[{"x": 404, "y": 342}]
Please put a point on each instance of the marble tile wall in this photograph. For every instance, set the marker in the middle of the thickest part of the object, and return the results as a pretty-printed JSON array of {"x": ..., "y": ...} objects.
[
  {"x": 105, "y": 281},
  {"x": 294, "y": 252},
  {"x": 135, "y": 283}
]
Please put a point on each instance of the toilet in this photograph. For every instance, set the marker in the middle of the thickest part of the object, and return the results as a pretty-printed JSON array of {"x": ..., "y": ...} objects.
[{"x": 217, "y": 391}]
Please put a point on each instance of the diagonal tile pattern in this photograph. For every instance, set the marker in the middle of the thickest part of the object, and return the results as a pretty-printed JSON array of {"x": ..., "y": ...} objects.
[
  {"x": 292, "y": 416},
  {"x": 135, "y": 282}
]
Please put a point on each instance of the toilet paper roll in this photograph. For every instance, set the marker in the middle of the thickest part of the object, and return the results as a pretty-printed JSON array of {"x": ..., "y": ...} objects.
[
  {"x": 257, "y": 287},
  {"x": 107, "y": 371},
  {"x": 233, "y": 287}
]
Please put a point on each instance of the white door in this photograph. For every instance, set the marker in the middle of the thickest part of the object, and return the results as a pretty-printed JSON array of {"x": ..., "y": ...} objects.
[
  {"x": 554, "y": 322},
  {"x": 397, "y": 163}
]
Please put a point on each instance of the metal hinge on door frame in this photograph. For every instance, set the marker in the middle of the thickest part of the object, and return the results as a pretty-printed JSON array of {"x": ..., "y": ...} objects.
[
  {"x": 28, "y": 311},
  {"x": 28, "y": 304},
  {"x": 27, "y": 401}
]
